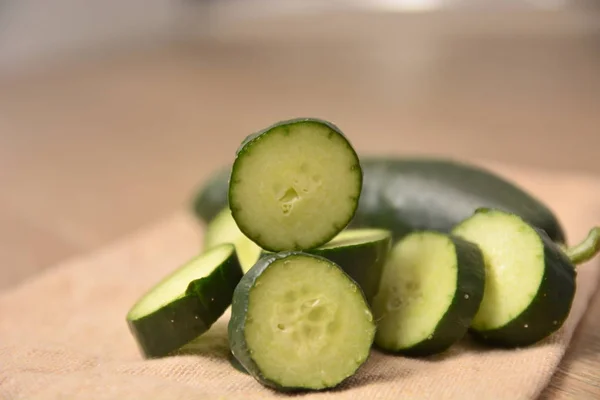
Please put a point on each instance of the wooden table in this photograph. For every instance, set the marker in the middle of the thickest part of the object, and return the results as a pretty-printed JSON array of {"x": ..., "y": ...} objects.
[{"x": 94, "y": 150}]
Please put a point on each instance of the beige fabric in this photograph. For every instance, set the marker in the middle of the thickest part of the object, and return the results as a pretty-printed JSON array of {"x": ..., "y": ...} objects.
[{"x": 63, "y": 335}]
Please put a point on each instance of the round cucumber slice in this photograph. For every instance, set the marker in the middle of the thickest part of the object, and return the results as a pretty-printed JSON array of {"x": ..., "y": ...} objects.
[
  {"x": 431, "y": 288},
  {"x": 299, "y": 322},
  {"x": 223, "y": 229},
  {"x": 293, "y": 175},
  {"x": 186, "y": 303},
  {"x": 361, "y": 253},
  {"x": 530, "y": 281}
]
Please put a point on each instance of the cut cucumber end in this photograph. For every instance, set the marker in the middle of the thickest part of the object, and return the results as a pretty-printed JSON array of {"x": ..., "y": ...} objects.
[
  {"x": 176, "y": 284},
  {"x": 223, "y": 229},
  {"x": 431, "y": 288},
  {"x": 299, "y": 322},
  {"x": 186, "y": 303},
  {"x": 514, "y": 258},
  {"x": 295, "y": 174},
  {"x": 530, "y": 282}
]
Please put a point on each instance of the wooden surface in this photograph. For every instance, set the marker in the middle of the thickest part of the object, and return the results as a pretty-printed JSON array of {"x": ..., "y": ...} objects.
[{"x": 93, "y": 150}]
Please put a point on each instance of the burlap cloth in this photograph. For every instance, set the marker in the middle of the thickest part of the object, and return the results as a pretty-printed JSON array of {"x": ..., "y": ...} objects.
[{"x": 63, "y": 334}]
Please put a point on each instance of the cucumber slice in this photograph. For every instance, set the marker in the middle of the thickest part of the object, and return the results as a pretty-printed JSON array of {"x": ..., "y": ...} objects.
[
  {"x": 530, "y": 282},
  {"x": 186, "y": 303},
  {"x": 430, "y": 290},
  {"x": 361, "y": 253},
  {"x": 223, "y": 229},
  {"x": 299, "y": 322},
  {"x": 293, "y": 175}
]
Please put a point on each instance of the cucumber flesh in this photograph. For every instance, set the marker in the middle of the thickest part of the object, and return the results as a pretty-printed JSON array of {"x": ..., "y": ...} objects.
[
  {"x": 530, "y": 282},
  {"x": 186, "y": 303},
  {"x": 299, "y": 322},
  {"x": 514, "y": 255},
  {"x": 223, "y": 229},
  {"x": 361, "y": 253},
  {"x": 431, "y": 288},
  {"x": 295, "y": 174}
]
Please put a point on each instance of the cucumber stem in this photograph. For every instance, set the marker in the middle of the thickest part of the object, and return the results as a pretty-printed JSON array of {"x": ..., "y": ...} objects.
[{"x": 585, "y": 250}]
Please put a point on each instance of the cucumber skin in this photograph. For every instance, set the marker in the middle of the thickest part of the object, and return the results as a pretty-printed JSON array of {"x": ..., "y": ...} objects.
[
  {"x": 216, "y": 293},
  {"x": 455, "y": 323},
  {"x": 406, "y": 194},
  {"x": 239, "y": 310},
  {"x": 211, "y": 196},
  {"x": 552, "y": 302},
  {"x": 176, "y": 324},
  {"x": 157, "y": 336},
  {"x": 246, "y": 146},
  {"x": 237, "y": 322},
  {"x": 353, "y": 259}
]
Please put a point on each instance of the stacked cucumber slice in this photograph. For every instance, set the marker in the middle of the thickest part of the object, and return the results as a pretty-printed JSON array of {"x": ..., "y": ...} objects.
[{"x": 312, "y": 293}]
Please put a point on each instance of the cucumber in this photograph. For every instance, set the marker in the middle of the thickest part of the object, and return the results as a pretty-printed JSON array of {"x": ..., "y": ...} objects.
[
  {"x": 223, "y": 229},
  {"x": 406, "y": 194},
  {"x": 186, "y": 303},
  {"x": 530, "y": 280},
  {"x": 431, "y": 289},
  {"x": 298, "y": 322},
  {"x": 436, "y": 194},
  {"x": 361, "y": 253},
  {"x": 211, "y": 195},
  {"x": 294, "y": 174}
]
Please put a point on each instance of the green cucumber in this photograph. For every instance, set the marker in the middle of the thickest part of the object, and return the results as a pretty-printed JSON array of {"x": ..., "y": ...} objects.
[
  {"x": 211, "y": 195},
  {"x": 431, "y": 288},
  {"x": 361, "y": 253},
  {"x": 186, "y": 303},
  {"x": 293, "y": 175},
  {"x": 299, "y": 322},
  {"x": 406, "y": 194},
  {"x": 530, "y": 280},
  {"x": 223, "y": 229},
  {"x": 436, "y": 194}
]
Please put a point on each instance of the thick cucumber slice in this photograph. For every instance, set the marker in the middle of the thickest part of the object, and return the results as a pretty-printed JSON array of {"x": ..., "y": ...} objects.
[
  {"x": 223, "y": 229},
  {"x": 299, "y": 322},
  {"x": 186, "y": 303},
  {"x": 430, "y": 290},
  {"x": 361, "y": 253},
  {"x": 530, "y": 282},
  {"x": 295, "y": 185}
]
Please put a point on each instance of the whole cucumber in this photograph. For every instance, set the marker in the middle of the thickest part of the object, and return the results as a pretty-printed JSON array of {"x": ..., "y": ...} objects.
[{"x": 407, "y": 194}]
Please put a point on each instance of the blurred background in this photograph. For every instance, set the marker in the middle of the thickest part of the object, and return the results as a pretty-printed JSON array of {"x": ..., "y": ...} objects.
[{"x": 112, "y": 112}]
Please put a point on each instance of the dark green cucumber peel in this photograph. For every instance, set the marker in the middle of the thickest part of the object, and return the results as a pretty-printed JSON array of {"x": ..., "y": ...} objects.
[
  {"x": 530, "y": 280},
  {"x": 406, "y": 194},
  {"x": 430, "y": 291},
  {"x": 223, "y": 229},
  {"x": 211, "y": 195},
  {"x": 186, "y": 303},
  {"x": 361, "y": 253},
  {"x": 292, "y": 174},
  {"x": 298, "y": 322}
]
